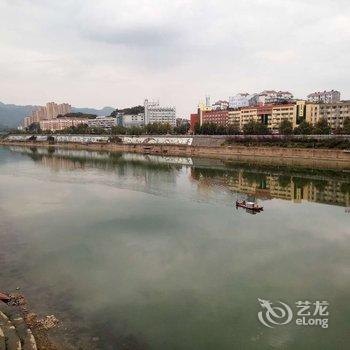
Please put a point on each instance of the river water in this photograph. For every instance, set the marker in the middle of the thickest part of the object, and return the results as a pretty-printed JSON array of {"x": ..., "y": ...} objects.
[{"x": 137, "y": 251}]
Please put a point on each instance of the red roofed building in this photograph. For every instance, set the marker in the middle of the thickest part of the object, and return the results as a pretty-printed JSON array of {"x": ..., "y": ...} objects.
[
  {"x": 219, "y": 117},
  {"x": 194, "y": 119}
]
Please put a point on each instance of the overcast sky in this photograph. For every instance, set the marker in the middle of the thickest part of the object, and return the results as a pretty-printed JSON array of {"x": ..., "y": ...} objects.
[{"x": 118, "y": 52}]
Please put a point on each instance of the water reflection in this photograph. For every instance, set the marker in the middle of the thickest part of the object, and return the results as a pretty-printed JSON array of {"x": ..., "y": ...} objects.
[
  {"x": 252, "y": 180},
  {"x": 149, "y": 252}
]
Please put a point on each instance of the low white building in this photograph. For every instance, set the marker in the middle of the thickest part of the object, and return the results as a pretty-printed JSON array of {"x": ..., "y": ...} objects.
[
  {"x": 101, "y": 122},
  {"x": 241, "y": 100},
  {"x": 272, "y": 97},
  {"x": 220, "y": 105},
  {"x": 129, "y": 120},
  {"x": 154, "y": 113}
]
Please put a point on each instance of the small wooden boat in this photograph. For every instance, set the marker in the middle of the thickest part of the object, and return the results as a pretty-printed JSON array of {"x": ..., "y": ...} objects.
[{"x": 249, "y": 205}]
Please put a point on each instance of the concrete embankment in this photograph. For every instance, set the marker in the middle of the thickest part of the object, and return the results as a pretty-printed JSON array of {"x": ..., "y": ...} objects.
[{"x": 194, "y": 146}]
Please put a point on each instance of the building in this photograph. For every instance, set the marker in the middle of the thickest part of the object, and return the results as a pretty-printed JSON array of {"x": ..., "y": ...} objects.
[
  {"x": 129, "y": 120},
  {"x": 234, "y": 118},
  {"x": 282, "y": 112},
  {"x": 334, "y": 113},
  {"x": 50, "y": 111},
  {"x": 220, "y": 105},
  {"x": 273, "y": 97},
  {"x": 61, "y": 123},
  {"x": 248, "y": 114},
  {"x": 332, "y": 96},
  {"x": 154, "y": 113},
  {"x": 219, "y": 117},
  {"x": 101, "y": 122},
  {"x": 242, "y": 100},
  {"x": 269, "y": 115},
  {"x": 194, "y": 119}
]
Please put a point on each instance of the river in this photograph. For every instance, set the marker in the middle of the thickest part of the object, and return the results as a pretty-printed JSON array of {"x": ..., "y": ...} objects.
[{"x": 135, "y": 251}]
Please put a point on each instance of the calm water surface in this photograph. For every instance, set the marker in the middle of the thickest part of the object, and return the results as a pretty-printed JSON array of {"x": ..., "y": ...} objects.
[{"x": 145, "y": 252}]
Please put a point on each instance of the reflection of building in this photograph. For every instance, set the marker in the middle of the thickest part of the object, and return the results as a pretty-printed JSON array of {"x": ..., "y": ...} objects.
[{"x": 267, "y": 186}]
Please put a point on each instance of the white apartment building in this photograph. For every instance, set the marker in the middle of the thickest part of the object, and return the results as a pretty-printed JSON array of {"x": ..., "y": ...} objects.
[
  {"x": 332, "y": 96},
  {"x": 220, "y": 105},
  {"x": 154, "y": 113},
  {"x": 272, "y": 97},
  {"x": 241, "y": 100}
]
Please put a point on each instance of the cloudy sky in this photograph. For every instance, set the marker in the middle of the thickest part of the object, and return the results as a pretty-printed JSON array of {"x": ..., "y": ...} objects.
[{"x": 94, "y": 53}]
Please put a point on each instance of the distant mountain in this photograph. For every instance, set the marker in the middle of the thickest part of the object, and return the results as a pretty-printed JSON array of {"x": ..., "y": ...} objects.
[
  {"x": 11, "y": 115},
  {"x": 105, "y": 111}
]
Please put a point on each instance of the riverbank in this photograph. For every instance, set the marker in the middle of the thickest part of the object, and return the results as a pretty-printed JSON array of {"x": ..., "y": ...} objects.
[{"x": 316, "y": 158}]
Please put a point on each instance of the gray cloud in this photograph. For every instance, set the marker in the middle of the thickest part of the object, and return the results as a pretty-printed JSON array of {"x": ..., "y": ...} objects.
[{"x": 117, "y": 53}]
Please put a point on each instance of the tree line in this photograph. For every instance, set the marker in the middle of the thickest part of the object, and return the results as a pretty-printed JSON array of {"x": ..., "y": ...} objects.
[{"x": 285, "y": 128}]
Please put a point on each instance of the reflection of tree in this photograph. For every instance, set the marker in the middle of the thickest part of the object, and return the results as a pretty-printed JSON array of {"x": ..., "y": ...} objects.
[
  {"x": 300, "y": 182},
  {"x": 345, "y": 188},
  {"x": 320, "y": 184},
  {"x": 254, "y": 178},
  {"x": 212, "y": 172},
  {"x": 284, "y": 180}
]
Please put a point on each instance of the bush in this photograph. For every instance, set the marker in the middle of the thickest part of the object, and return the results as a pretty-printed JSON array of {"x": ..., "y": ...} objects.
[
  {"x": 286, "y": 127},
  {"x": 322, "y": 127},
  {"x": 304, "y": 128}
]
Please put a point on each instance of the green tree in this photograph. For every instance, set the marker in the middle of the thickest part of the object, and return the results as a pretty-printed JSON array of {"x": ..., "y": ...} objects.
[
  {"x": 304, "y": 128},
  {"x": 220, "y": 130},
  {"x": 255, "y": 128},
  {"x": 34, "y": 128},
  {"x": 286, "y": 127},
  {"x": 346, "y": 126},
  {"x": 197, "y": 128},
  {"x": 232, "y": 130},
  {"x": 135, "y": 130},
  {"x": 182, "y": 129},
  {"x": 261, "y": 129},
  {"x": 322, "y": 127},
  {"x": 249, "y": 128},
  {"x": 118, "y": 130}
]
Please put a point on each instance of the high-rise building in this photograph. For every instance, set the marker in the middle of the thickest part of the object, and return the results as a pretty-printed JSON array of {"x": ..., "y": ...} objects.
[
  {"x": 50, "y": 111},
  {"x": 154, "y": 113}
]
